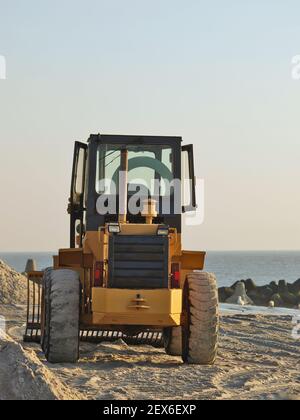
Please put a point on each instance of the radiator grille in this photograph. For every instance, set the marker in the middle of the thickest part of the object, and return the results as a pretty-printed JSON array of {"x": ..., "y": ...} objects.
[{"x": 138, "y": 262}]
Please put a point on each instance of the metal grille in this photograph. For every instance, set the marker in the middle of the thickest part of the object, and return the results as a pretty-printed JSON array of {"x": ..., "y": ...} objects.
[
  {"x": 138, "y": 262},
  {"x": 151, "y": 337}
]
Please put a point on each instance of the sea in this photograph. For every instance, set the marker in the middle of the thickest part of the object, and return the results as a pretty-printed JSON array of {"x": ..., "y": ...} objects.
[{"x": 229, "y": 267}]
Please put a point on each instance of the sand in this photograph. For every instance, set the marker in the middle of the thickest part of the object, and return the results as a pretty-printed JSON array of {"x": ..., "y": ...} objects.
[
  {"x": 13, "y": 286},
  {"x": 24, "y": 377},
  {"x": 258, "y": 359}
]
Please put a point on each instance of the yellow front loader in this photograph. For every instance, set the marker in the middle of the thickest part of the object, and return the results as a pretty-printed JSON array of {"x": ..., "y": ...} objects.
[{"x": 125, "y": 274}]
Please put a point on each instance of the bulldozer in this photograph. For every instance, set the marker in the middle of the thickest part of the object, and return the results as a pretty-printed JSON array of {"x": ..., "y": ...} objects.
[{"x": 125, "y": 275}]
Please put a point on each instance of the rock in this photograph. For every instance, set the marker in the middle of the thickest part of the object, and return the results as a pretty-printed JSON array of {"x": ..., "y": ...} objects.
[
  {"x": 266, "y": 292},
  {"x": 281, "y": 294},
  {"x": 240, "y": 294},
  {"x": 31, "y": 266},
  {"x": 250, "y": 285},
  {"x": 295, "y": 287},
  {"x": 261, "y": 295},
  {"x": 274, "y": 286},
  {"x": 225, "y": 293},
  {"x": 297, "y": 296},
  {"x": 278, "y": 302},
  {"x": 233, "y": 287},
  {"x": 287, "y": 297},
  {"x": 271, "y": 304},
  {"x": 282, "y": 286}
]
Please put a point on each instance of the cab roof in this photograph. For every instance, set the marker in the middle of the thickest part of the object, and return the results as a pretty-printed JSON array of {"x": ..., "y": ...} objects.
[{"x": 129, "y": 139}]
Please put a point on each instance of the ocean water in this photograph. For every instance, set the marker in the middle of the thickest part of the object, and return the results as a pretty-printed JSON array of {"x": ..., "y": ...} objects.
[
  {"x": 18, "y": 260},
  {"x": 263, "y": 267}
]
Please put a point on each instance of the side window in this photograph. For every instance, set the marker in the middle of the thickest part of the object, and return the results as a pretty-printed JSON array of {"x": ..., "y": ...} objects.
[
  {"x": 79, "y": 182},
  {"x": 188, "y": 179},
  {"x": 78, "y": 174},
  {"x": 76, "y": 201},
  {"x": 186, "y": 182}
]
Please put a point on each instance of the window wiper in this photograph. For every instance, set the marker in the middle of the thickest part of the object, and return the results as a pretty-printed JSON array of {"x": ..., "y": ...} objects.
[
  {"x": 107, "y": 156},
  {"x": 117, "y": 157}
]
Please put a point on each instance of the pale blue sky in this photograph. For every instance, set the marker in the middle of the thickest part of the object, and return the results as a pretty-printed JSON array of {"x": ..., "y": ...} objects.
[{"x": 218, "y": 73}]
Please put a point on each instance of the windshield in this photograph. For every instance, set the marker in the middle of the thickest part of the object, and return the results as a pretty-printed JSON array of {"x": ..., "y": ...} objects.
[{"x": 149, "y": 167}]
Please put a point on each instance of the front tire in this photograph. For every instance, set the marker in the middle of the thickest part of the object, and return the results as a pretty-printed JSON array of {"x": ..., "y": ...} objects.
[
  {"x": 61, "y": 305},
  {"x": 200, "y": 331}
]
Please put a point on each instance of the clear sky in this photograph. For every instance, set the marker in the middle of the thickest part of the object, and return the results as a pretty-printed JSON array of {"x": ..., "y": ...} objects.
[{"x": 217, "y": 73}]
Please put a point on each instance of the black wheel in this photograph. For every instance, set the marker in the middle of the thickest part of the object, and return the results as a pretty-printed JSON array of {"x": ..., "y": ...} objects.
[
  {"x": 60, "y": 316},
  {"x": 173, "y": 341},
  {"x": 200, "y": 331}
]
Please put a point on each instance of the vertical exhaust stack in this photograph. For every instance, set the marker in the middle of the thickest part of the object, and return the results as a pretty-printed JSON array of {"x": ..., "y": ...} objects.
[
  {"x": 123, "y": 187},
  {"x": 149, "y": 210}
]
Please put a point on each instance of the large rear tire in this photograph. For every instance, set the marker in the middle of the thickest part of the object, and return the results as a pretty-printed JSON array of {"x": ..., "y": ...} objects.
[
  {"x": 61, "y": 305},
  {"x": 200, "y": 331},
  {"x": 173, "y": 341}
]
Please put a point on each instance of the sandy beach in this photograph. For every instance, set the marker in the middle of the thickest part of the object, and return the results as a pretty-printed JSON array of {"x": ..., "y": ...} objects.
[{"x": 258, "y": 359}]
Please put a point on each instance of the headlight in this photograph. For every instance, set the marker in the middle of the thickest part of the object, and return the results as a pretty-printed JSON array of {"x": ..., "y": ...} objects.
[
  {"x": 163, "y": 230},
  {"x": 114, "y": 228}
]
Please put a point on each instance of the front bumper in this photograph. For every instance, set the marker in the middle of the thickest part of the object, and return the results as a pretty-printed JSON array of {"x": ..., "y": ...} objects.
[{"x": 159, "y": 307}]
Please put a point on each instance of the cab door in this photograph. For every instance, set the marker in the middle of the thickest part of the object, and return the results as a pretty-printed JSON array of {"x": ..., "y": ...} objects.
[
  {"x": 76, "y": 202},
  {"x": 188, "y": 179}
]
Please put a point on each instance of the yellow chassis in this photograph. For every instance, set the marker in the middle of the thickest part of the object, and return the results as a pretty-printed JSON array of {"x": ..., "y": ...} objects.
[
  {"x": 104, "y": 308},
  {"x": 119, "y": 307},
  {"x": 159, "y": 308}
]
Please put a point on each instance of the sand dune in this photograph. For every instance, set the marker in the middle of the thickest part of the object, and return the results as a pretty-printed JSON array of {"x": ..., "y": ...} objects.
[
  {"x": 13, "y": 286},
  {"x": 24, "y": 377}
]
